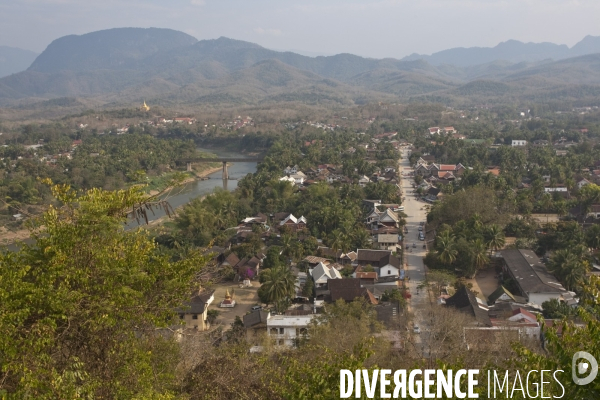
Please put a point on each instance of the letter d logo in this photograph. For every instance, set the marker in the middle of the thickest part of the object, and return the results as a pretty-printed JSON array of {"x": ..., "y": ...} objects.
[{"x": 583, "y": 367}]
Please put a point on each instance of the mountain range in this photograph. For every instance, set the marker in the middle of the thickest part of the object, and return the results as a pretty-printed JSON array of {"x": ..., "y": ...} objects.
[
  {"x": 511, "y": 51},
  {"x": 13, "y": 60},
  {"x": 166, "y": 66}
]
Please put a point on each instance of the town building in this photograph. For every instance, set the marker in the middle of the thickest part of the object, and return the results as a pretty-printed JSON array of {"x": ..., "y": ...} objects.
[
  {"x": 194, "y": 314},
  {"x": 287, "y": 330},
  {"x": 531, "y": 277}
]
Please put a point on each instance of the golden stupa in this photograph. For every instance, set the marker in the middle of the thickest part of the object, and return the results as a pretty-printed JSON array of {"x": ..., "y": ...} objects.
[{"x": 145, "y": 107}]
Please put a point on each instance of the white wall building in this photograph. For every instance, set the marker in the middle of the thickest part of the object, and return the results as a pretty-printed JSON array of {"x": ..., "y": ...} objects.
[
  {"x": 285, "y": 330},
  {"x": 516, "y": 143}
]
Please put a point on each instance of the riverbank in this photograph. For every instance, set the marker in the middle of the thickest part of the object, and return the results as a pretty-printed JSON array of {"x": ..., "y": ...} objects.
[
  {"x": 10, "y": 236},
  {"x": 197, "y": 175}
]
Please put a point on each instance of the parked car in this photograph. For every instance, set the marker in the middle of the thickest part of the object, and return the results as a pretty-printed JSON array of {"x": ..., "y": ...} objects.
[
  {"x": 422, "y": 223},
  {"x": 421, "y": 236},
  {"x": 255, "y": 308},
  {"x": 420, "y": 229},
  {"x": 416, "y": 329}
]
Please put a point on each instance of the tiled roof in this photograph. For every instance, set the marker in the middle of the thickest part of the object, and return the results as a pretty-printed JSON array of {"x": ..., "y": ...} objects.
[
  {"x": 529, "y": 273},
  {"x": 232, "y": 259},
  {"x": 371, "y": 255},
  {"x": 366, "y": 275},
  {"x": 255, "y": 318},
  {"x": 198, "y": 303},
  {"x": 315, "y": 259},
  {"x": 466, "y": 301},
  {"x": 386, "y": 238},
  {"x": 347, "y": 289}
]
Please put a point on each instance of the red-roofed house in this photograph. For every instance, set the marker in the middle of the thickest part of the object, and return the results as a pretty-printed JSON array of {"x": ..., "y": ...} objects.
[
  {"x": 449, "y": 129},
  {"x": 439, "y": 169},
  {"x": 522, "y": 315}
]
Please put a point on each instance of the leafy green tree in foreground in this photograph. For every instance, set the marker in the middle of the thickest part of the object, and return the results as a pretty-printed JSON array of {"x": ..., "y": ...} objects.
[
  {"x": 80, "y": 308},
  {"x": 563, "y": 340}
]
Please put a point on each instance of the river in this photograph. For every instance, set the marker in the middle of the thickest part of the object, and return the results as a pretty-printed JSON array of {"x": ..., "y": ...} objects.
[
  {"x": 186, "y": 193},
  {"x": 183, "y": 195}
]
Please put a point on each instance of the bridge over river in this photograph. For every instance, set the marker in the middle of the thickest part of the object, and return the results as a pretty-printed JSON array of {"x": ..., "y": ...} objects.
[{"x": 224, "y": 160}]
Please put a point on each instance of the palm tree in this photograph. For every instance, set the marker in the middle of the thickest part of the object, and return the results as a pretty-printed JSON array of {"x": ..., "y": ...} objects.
[
  {"x": 593, "y": 236},
  {"x": 278, "y": 286},
  {"x": 568, "y": 268},
  {"x": 494, "y": 237},
  {"x": 337, "y": 240},
  {"x": 476, "y": 222},
  {"x": 561, "y": 208},
  {"x": 462, "y": 229},
  {"x": 446, "y": 247},
  {"x": 479, "y": 253},
  {"x": 546, "y": 204},
  {"x": 361, "y": 238},
  {"x": 286, "y": 244}
]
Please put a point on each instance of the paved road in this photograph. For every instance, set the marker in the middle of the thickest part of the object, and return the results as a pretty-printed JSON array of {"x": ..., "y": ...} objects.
[{"x": 413, "y": 208}]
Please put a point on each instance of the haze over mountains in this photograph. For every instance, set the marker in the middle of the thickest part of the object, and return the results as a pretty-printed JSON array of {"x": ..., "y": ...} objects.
[
  {"x": 163, "y": 65},
  {"x": 13, "y": 60},
  {"x": 511, "y": 51}
]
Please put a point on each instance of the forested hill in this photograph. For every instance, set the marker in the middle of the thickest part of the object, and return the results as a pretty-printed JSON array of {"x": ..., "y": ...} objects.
[
  {"x": 134, "y": 64},
  {"x": 108, "y": 49}
]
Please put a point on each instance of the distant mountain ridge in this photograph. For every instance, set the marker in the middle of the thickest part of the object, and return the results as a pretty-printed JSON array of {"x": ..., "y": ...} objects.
[
  {"x": 511, "y": 50},
  {"x": 129, "y": 64},
  {"x": 13, "y": 60},
  {"x": 108, "y": 49}
]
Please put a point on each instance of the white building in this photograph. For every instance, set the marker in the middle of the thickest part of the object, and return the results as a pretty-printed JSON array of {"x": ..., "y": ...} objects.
[
  {"x": 298, "y": 177},
  {"x": 517, "y": 143},
  {"x": 387, "y": 241},
  {"x": 285, "y": 330},
  {"x": 290, "y": 170},
  {"x": 532, "y": 278},
  {"x": 322, "y": 273},
  {"x": 363, "y": 181},
  {"x": 288, "y": 179}
]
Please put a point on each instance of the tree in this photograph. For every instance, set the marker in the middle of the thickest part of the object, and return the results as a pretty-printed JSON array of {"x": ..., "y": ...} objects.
[
  {"x": 212, "y": 315},
  {"x": 555, "y": 309},
  {"x": 479, "y": 253},
  {"x": 438, "y": 279},
  {"x": 568, "y": 268},
  {"x": 286, "y": 244},
  {"x": 592, "y": 236},
  {"x": 494, "y": 237},
  {"x": 560, "y": 346},
  {"x": 80, "y": 307},
  {"x": 278, "y": 287},
  {"x": 273, "y": 258},
  {"x": 307, "y": 290},
  {"x": 445, "y": 246}
]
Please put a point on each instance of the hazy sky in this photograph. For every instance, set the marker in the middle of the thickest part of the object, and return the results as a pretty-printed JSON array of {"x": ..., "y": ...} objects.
[{"x": 376, "y": 28}]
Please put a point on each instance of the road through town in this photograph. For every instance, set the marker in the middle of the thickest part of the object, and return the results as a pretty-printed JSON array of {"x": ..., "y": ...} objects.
[{"x": 415, "y": 270}]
